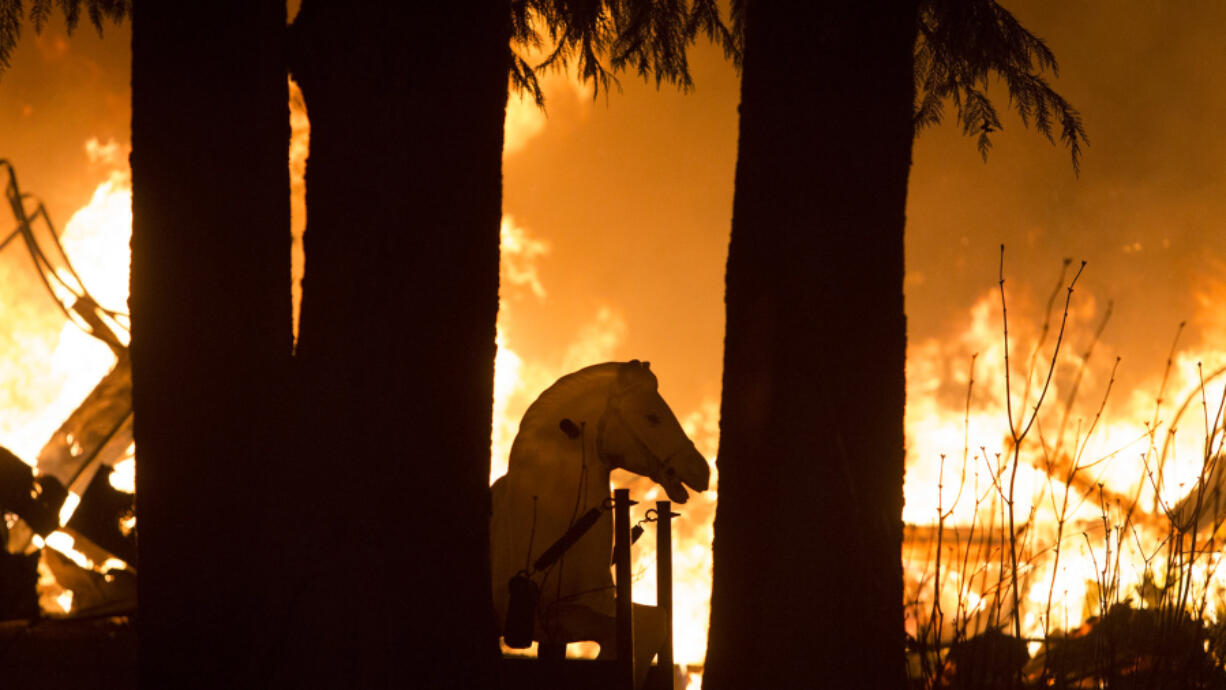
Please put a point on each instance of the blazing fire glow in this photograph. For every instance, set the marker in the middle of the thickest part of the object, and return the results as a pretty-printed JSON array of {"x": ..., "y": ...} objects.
[
  {"x": 1070, "y": 484},
  {"x": 1095, "y": 485},
  {"x": 1077, "y": 470},
  {"x": 517, "y": 382},
  {"x": 944, "y": 436},
  {"x": 50, "y": 365}
]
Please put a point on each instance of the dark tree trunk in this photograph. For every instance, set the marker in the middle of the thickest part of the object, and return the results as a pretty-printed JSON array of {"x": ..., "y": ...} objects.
[
  {"x": 210, "y": 325},
  {"x": 807, "y": 574},
  {"x": 396, "y": 343}
]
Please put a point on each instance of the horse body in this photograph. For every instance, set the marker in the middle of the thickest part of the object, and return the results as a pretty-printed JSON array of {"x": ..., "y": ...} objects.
[
  {"x": 558, "y": 470},
  {"x": 546, "y": 488}
]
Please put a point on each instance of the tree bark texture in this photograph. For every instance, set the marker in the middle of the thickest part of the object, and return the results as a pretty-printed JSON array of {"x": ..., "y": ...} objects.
[
  {"x": 211, "y": 338},
  {"x": 807, "y": 587},
  {"x": 396, "y": 344}
]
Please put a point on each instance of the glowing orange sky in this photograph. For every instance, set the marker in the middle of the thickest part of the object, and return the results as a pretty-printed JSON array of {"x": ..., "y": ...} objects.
[
  {"x": 633, "y": 196},
  {"x": 1147, "y": 211},
  {"x": 58, "y": 94},
  {"x": 634, "y": 193}
]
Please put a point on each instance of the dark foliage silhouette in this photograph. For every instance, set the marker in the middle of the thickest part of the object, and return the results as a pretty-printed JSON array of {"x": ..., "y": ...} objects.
[
  {"x": 13, "y": 13},
  {"x": 808, "y": 530},
  {"x": 391, "y": 391}
]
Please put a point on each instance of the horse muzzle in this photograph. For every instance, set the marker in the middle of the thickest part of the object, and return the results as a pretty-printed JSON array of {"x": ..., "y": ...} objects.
[{"x": 686, "y": 468}]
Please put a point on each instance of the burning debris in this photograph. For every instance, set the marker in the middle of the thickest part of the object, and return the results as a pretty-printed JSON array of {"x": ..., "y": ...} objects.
[{"x": 68, "y": 532}]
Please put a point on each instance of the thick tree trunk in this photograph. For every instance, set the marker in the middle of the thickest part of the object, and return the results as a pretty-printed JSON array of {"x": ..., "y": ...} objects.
[
  {"x": 396, "y": 343},
  {"x": 807, "y": 573},
  {"x": 211, "y": 336}
]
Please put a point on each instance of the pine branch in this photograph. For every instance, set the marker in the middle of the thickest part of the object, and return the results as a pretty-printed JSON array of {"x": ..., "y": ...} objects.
[
  {"x": 12, "y": 13},
  {"x": 961, "y": 45},
  {"x": 10, "y": 29},
  {"x": 523, "y": 79},
  {"x": 602, "y": 38},
  {"x": 704, "y": 17},
  {"x": 39, "y": 13}
]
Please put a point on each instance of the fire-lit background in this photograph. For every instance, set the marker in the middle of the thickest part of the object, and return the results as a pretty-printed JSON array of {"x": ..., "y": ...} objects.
[{"x": 616, "y": 220}]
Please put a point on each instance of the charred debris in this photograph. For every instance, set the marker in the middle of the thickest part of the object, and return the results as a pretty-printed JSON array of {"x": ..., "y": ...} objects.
[{"x": 37, "y": 494}]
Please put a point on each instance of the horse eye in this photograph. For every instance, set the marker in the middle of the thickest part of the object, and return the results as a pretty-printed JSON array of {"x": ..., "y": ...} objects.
[{"x": 652, "y": 419}]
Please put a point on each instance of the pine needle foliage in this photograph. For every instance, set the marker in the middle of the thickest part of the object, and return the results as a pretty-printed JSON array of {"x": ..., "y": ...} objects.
[
  {"x": 13, "y": 12},
  {"x": 604, "y": 37},
  {"x": 959, "y": 45}
]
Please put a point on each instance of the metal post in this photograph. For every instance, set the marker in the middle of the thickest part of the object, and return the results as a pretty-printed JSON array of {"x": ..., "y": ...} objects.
[
  {"x": 664, "y": 582},
  {"x": 625, "y": 605}
]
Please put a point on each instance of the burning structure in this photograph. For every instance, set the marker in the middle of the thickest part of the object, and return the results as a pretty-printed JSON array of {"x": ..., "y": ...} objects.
[
  {"x": 1117, "y": 187},
  {"x": 68, "y": 529}
]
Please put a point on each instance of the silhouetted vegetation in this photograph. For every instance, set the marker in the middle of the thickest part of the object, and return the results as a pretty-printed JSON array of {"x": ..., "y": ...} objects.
[
  {"x": 832, "y": 97},
  {"x": 13, "y": 14},
  {"x": 967, "y": 608},
  {"x": 960, "y": 46},
  {"x": 407, "y": 103},
  {"x": 603, "y": 37}
]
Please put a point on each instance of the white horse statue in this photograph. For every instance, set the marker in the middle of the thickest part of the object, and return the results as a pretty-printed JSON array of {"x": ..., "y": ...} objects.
[{"x": 586, "y": 424}]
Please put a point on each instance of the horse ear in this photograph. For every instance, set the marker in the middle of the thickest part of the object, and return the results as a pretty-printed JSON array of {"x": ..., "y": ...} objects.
[
  {"x": 647, "y": 366},
  {"x": 625, "y": 373}
]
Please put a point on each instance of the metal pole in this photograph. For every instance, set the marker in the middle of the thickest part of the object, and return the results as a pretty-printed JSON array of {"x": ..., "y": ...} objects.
[
  {"x": 664, "y": 583},
  {"x": 625, "y": 606}
]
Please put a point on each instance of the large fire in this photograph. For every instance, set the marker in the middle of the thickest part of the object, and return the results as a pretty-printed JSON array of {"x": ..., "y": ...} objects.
[
  {"x": 1091, "y": 487},
  {"x": 517, "y": 383},
  {"x": 50, "y": 364},
  {"x": 1102, "y": 491}
]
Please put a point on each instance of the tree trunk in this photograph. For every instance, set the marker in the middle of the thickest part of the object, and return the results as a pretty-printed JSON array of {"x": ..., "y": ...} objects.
[
  {"x": 807, "y": 587},
  {"x": 211, "y": 336},
  {"x": 396, "y": 342}
]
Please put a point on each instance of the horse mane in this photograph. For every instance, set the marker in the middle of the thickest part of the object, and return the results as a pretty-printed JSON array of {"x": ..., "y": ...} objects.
[
  {"x": 563, "y": 389},
  {"x": 544, "y": 408}
]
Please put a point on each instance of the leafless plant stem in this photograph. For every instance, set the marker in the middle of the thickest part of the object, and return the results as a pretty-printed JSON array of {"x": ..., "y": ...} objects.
[{"x": 1018, "y": 436}]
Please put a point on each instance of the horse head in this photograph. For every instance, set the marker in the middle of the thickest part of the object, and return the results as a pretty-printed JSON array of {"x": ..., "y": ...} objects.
[{"x": 639, "y": 433}]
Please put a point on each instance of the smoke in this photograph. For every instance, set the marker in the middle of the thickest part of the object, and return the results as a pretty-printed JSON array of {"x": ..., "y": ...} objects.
[
  {"x": 520, "y": 253},
  {"x": 96, "y": 236},
  {"x": 1146, "y": 210},
  {"x": 112, "y": 153},
  {"x": 525, "y": 120}
]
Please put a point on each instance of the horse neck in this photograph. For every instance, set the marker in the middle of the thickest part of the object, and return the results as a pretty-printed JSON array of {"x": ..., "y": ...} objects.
[
  {"x": 586, "y": 412},
  {"x": 546, "y": 443},
  {"x": 596, "y": 478}
]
